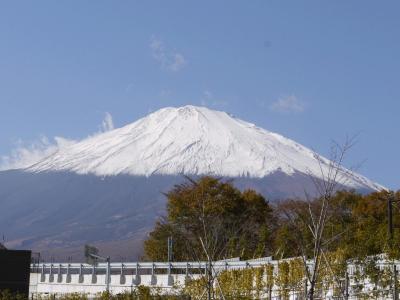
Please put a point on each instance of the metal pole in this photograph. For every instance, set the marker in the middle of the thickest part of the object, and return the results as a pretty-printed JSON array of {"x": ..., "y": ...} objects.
[
  {"x": 346, "y": 282},
  {"x": 170, "y": 251},
  {"x": 108, "y": 269},
  {"x": 390, "y": 218},
  {"x": 108, "y": 275},
  {"x": 395, "y": 296}
]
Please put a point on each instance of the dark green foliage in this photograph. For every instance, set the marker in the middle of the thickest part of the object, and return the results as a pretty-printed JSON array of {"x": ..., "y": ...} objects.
[
  {"x": 246, "y": 225},
  {"x": 357, "y": 225},
  {"x": 139, "y": 293},
  {"x": 232, "y": 223},
  {"x": 7, "y": 295}
]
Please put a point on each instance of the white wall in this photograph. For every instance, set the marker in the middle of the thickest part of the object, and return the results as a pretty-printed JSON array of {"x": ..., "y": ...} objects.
[{"x": 53, "y": 284}]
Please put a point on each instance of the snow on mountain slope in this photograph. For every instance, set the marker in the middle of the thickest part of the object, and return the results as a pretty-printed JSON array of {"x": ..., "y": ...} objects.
[{"x": 193, "y": 141}]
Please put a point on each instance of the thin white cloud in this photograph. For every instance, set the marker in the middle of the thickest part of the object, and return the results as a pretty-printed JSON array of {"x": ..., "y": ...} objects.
[
  {"x": 208, "y": 99},
  {"x": 287, "y": 105},
  {"x": 178, "y": 62},
  {"x": 27, "y": 154},
  {"x": 168, "y": 59},
  {"x": 107, "y": 123}
]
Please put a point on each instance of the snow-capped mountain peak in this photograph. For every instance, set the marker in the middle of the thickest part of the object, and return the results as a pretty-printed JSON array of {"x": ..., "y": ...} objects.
[{"x": 193, "y": 141}]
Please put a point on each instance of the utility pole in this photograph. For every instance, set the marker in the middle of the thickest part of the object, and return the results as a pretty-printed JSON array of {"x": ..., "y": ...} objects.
[
  {"x": 106, "y": 259},
  {"x": 346, "y": 286},
  {"x": 170, "y": 249},
  {"x": 390, "y": 218},
  {"x": 395, "y": 292},
  {"x": 390, "y": 201}
]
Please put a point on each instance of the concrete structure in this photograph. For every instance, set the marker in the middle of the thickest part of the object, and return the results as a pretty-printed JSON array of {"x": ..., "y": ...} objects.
[{"x": 60, "y": 278}]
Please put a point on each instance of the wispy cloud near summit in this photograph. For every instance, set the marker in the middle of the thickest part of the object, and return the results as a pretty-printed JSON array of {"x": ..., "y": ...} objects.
[
  {"x": 107, "y": 123},
  {"x": 26, "y": 154},
  {"x": 168, "y": 59},
  {"x": 289, "y": 104}
]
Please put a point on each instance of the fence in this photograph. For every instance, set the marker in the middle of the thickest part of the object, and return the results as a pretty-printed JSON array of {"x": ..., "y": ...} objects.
[{"x": 261, "y": 278}]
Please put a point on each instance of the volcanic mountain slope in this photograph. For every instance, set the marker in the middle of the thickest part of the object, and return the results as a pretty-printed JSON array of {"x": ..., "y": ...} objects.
[
  {"x": 193, "y": 141},
  {"x": 108, "y": 188}
]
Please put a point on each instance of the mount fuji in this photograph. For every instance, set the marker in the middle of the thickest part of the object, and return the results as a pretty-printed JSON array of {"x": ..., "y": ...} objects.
[{"x": 107, "y": 188}]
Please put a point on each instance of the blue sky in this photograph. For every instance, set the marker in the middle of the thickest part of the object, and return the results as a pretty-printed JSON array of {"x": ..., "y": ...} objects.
[{"x": 310, "y": 70}]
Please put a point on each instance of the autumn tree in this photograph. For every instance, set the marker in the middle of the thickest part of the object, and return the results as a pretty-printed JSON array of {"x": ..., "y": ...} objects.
[
  {"x": 229, "y": 222},
  {"x": 310, "y": 222}
]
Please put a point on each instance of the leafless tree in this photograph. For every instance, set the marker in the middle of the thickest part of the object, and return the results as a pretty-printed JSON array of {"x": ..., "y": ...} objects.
[{"x": 308, "y": 219}]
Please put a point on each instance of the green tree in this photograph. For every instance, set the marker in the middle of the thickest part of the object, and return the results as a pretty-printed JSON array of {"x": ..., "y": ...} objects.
[
  {"x": 229, "y": 222},
  {"x": 357, "y": 225}
]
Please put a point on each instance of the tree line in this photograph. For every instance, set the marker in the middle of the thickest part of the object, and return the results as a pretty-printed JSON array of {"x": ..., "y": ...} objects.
[{"x": 210, "y": 218}]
